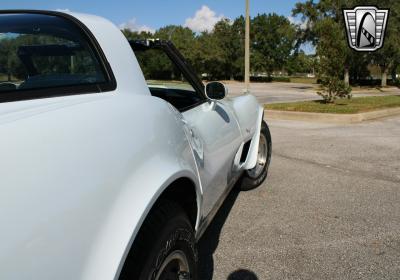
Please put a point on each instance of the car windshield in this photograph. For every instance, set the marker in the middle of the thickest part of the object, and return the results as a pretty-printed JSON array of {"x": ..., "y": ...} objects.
[{"x": 42, "y": 51}]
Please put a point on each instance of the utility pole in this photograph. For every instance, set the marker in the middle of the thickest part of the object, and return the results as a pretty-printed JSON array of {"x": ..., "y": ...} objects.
[{"x": 247, "y": 50}]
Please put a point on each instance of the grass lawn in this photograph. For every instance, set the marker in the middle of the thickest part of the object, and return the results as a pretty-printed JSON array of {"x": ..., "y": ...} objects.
[{"x": 342, "y": 106}]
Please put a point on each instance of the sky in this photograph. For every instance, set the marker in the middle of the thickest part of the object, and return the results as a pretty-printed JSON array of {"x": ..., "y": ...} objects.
[
  {"x": 149, "y": 15},
  {"x": 157, "y": 13}
]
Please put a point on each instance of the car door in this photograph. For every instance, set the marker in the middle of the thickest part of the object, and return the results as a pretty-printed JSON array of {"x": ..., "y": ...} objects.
[
  {"x": 215, "y": 138},
  {"x": 211, "y": 126}
]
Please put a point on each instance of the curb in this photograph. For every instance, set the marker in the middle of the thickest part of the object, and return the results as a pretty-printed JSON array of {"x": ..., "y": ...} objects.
[{"x": 330, "y": 118}]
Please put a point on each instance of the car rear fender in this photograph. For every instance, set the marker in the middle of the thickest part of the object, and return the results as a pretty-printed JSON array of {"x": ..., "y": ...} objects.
[
  {"x": 171, "y": 160},
  {"x": 249, "y": 114},
  {"x": 129, "y": 211}
]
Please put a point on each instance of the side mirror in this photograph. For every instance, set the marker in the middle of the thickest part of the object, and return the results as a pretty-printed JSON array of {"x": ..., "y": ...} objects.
[{"x": 216, "y": 90}]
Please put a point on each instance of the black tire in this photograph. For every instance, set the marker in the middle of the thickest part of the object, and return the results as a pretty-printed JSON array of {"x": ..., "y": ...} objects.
[
  {"x": 248, "y": 180},
  {"x": 166, "y": 230}
]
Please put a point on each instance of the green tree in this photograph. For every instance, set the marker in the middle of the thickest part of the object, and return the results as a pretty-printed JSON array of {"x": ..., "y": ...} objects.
[
  {"x": 388, "y": 58},
  {"x": 182, "y": 37},
  {"x": 238, "y": 27},
  {"x": 331, "y": 50},
  {"x": 325, "y": 28},
  {"x": 229, "y": 37},
  {"x": 313, "y": 13},
  {"x": 358, "y": 66},
  {"x": 219, "y": 53},
  {"x": 154, "y": 63},
  {"x": 273, "y": 40},
  {"x": 134, "y": 35},
  {"x": 299, "y": 62},
  {"x": 210, "y": 56}
]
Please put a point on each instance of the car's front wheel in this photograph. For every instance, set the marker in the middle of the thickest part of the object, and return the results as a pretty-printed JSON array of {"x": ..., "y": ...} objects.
[
  {"x": 256, "y": 176},
  {"x": 165, "y": 247}
]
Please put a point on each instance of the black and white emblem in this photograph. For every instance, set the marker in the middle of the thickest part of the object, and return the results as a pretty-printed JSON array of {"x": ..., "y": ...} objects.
[{"x": 365, "y": 26}]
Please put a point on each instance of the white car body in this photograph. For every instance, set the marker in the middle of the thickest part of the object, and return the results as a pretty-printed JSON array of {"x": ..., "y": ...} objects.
[{"x": 80, "y": 173}]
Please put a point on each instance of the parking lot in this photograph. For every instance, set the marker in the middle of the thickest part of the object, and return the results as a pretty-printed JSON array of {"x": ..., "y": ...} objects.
[
  {"x": 276, "y": 92},
  {"x": 291, "y": 92},
  {"x": 330, "y": 208}
]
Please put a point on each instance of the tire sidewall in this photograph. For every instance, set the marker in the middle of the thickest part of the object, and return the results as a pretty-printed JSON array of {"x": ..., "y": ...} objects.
[{"x": 177, "y": 235}]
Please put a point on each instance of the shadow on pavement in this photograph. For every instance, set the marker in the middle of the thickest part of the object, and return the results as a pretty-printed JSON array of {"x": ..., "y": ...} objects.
[
  {"x": 303, "y": 87},
  {"x": 242, "y": 274},
  {"x": 209, "y": 243}
]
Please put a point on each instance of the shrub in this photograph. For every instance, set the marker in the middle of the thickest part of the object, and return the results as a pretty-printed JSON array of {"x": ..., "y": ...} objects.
[
  {"x": 281, "y": 79},
  {"x": 269, "y": 79},
  {"x": 261, "y": 79},
  {"x": 333, "y": 88},
  {"x": 332, "y": 51}
]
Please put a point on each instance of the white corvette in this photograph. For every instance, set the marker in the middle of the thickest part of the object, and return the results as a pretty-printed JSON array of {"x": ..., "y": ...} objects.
[{"x": 114, "y": 157}]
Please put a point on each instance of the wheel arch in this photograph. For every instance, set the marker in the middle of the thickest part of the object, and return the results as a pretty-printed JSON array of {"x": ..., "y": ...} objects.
[{"x": 182, "y": 191}]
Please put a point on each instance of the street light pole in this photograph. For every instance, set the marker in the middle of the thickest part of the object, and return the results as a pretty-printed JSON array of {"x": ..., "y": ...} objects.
[{"x": 247, "y": 50}]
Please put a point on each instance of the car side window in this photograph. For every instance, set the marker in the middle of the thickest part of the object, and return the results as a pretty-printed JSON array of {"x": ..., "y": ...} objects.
[
  {"x": 165, "y": 80},
  {"x": 39, "y": 52}
]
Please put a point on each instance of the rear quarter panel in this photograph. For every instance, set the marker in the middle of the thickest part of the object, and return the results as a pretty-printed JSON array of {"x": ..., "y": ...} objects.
[{"x": 78, "y": 175}]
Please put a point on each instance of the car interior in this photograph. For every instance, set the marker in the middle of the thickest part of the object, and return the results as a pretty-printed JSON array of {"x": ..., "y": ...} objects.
[
  {"x": 165, "y": 77},
  {"x": 39, "y": 52}
]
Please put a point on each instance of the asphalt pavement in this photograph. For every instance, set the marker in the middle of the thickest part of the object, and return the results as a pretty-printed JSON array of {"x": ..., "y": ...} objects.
[
  {"x": 276, "y": 92},
  {"x": 330, "y": 208}
]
